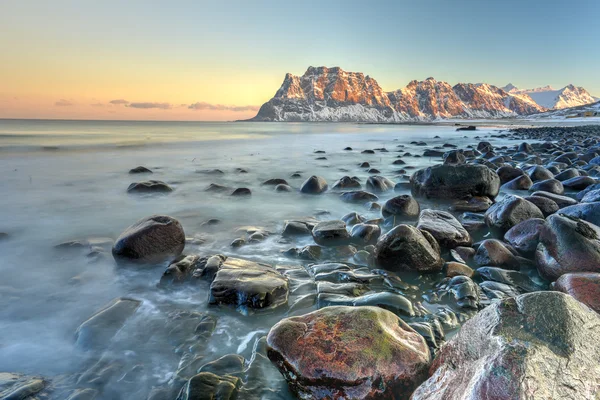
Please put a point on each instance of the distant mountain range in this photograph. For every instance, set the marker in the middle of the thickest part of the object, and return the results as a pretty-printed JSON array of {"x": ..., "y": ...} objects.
[
  {"x": 332, "y": 94},
  {"x": 555, "y": 99}
]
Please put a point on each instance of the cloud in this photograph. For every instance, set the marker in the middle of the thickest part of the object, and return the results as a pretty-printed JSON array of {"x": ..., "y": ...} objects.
[
  {"x": 97, "y": 105},
  {"x": 119, "y": 102},
  {"x": 201, "y": 105},
  {"x": 162, "y": 106},
  {"x": 63, "y": 103}
]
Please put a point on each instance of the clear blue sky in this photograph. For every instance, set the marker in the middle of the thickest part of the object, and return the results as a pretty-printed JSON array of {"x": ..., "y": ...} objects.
[{"x": 237, "y": 52}]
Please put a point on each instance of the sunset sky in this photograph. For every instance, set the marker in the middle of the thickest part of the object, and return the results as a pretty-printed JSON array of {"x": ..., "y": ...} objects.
[{"x": 220, "y": 60}]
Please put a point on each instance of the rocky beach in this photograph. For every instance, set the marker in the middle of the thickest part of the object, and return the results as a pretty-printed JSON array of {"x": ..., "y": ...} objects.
[{"x": 302, "y": 261}]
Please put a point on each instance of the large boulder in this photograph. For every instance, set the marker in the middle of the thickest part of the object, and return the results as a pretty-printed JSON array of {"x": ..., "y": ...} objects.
[
  {"x": 537, "y": 346},
  {"x": 331, "y": 233},
  {"x": 589, "y": 212},
  {"x": 345, "y": 352},
  {"x": 248, "y": 285},
  {"x": 524, "y": 236},
  {"x": 509, "y": 211},
  {"x": 567, "y": 244},
  {"x": 151, "y": 240},
  {"x": 314, "y": 185},
  {"x": 455, "y": 181},
  {"x": 406, "y": 248},
  {"x": 446, "y": 229},
  {"x": 584, "y": 286}
]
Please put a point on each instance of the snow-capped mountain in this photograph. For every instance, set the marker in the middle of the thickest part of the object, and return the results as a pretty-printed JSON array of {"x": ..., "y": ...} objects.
[
  {"x": 332, "y": 94},
  {"x": 555, "y": 99}
]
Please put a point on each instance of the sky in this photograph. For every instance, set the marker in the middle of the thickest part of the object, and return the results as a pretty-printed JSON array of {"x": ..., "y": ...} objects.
[{"x": 220, "y": 60}]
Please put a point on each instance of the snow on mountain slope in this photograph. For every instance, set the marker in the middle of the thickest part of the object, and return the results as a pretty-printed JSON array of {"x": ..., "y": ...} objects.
[
  {"x": 550, "y": 98},
  {"x": 332, "y": 94}
]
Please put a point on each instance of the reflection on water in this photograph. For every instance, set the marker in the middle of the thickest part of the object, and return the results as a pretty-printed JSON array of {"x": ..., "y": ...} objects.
[{"x": 57, "y": 195}]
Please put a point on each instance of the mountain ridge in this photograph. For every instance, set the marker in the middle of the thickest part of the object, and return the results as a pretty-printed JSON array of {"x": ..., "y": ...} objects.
[
  {"x": 332, "y": 94},
  {"x": 555, "y": 99}
]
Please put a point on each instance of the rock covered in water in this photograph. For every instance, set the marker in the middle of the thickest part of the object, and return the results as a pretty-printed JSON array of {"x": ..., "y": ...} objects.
[
  {"x": 346, "y": 182},
  {"x": 509, "y": 211},
  {"x": 140, "y": 170},
  {"x": 406, "y": 248},
  {"x": 208, "y": 386},
  {"x": 379, "y": 184},
  {"x": 151, "y": 240},
  {"x": 331, "y": 233},
  {"x": 513, "y": 349},
  {"x": 455, "y": 182},
  {"x": 365, "y": 234},
  {"x": 584, "y": 286},
  {"x": 446, "y": 229},
  {"x": 358, "y": 196},
  {"x": 20, "y": 387},
  {"x": 314, "y": 185},
  {"x": 349, "y": 353},
  {"x": 149, "y": 187},
  {"x": 248, "y": 284},
  {"x": 567, "y": 244}
]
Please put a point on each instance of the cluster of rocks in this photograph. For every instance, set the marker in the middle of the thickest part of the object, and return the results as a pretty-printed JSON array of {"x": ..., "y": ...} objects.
[{"x": 513, "y": 257}]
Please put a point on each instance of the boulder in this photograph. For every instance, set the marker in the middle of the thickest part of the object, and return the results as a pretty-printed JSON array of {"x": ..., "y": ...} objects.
[
  {"x": 584, "y": 286},
  {"x": 579, "y": 182},
  {"x": 365, "y": 234},
  {"x": 535, "y": 346},
  {"x": 509, "y": 211},
  {"x": 539, "y": 173},
  {"x": 349, "y": 353},
  {"x": 492, "y": 252},
  {"x": 358, "y": 196},
  {"x": 458, "y": 269},
  {"x": 151, "y": 240},
  {"x": 474, "y": 204},
  {"x": 548, "y": 185},
  {"x": 149, "y": 187},
  {"x": 331, "y": 233},
  {"x": 455, "y": 182},
  {"x": 401, "y": 206},
  {"x": 379, "y": 184},
  {"x": 248, "y": 284},
  {"x": 241, "y": 192},
  {"x": 406, "y": 248},
  {"x": 560, "y": 200},
  {"x": 524, "y": 236},
  {"x": 346, "y": 182},
  {"x": 140, "y": 170},
  {"x": 506, "y": 173},
  {"x": 567, "y": 244},
  {"x": 521, "y": 182},
  {"x": 314, "y": 185},
  {"x": 446, "y": 229},
  {"x": 589, "y": 212},
  {"x": 547, "y": 206}
]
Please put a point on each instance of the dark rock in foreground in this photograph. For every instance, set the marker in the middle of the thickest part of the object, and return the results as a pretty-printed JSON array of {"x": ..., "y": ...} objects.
[
  {"x": 537, "y": 346},
  {"x": 455, "y": 182},
  {"x": 349, "y": 353},
  {"x": 406, "y": 248},
  {"x": 151, "y": 240},
  {"x": 444, "y": 228},
  {"x": 510, "y": 211}
]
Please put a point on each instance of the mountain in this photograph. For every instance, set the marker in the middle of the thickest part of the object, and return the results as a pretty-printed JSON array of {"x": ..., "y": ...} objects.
[
  {"x": 555, "y": 99},
  {"x": 332, "y": 94},
  {"x": 571, "y": 112}
]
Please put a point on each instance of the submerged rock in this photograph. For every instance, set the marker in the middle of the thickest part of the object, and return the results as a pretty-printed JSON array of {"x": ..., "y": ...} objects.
[
  {"x": 340, "y": 352},
  {"x": 455, "y": 182},
  {"x": 347, "y": 182},
  {"x": 21, "y": 387},
  {"x": 513, "y": 350},
  {"x": 358, "y": 196},
  {"x": 331, "y": 233},
  {"x": 140, "y": 170},
  {"x": 406, "y": 248},
  {"x": 314, "y": 185},
  {"x": 208, "y": 386},
  {"x": 379, "y": 184},
  {"x": 149, "y": 187},
  {"x": 151, "y": 240}
]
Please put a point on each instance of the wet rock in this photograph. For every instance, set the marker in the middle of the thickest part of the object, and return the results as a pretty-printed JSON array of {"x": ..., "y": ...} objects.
[
  {"x": 331, "y": 233},
  {"x": 338, "y": 352},
  {"x": 539, "y": 173},
  {"x": 561, "y": 201},
  {"x": 462, "y": 254},
  {"x": 217, "y": 188},
  {"x": 591, "y": 196},
  {"x": 208, "y": 386},
  {"x": 589, "y": 212},
  {"x": 455, "y": 182},
  {"x": 547, "y": 206},
  {"x": 458, "y": 269},
  {"x": 579, "y": 182},
  {"x": 454, "y": 157},
  {"x": 347, "y": 182},
  {"x": 446, "y": 229},
  {"x": 524, "y": 236},
  {"x": 567, "y": 244},
  {"x": 149, "y": 187},
  {"x": 18, "y": 386},
  {"x": 406, "y": 248},
  {"x": 314, "y": 185},
  {"x": 401, "y": 206},
  {"x": 373, "y": 171},
  {"x": 241, "y": 192},
  {"x": 183, "y": 267},
  {"x": 353, "y": 218},
  {"x": 509, "y": 211},
  {"x": 393, "y": 302},
  {"x": 433, "y": 153},
  {"x": 464, "y": 290},
  {"x": 583, "y": 286},
  {"x": 358, "y": 196},
  {"x": 492, "y": 252},
  {"x": 275, "y": 182},
  {"x": 100, "y": 328},
  {"x": 230, "y": 364},
  {"x": 364, "y": 234},
  {"x": 548, "y": 185},
  {"x": 567, "y": 174},
  {"x": 283, "y": 188},
  {"x": 346, "y": 289},
  {"x": 247, "y": 284},
  {"x": 299, "y": 227},
  {"x": 237, "y": 242},
  {"x": 151, "y": 240},
  {"x": 474, "y": 204},
  {"x": 140, "y": 170},
  {"x": 497, "y": 290},
  {"x": 507, "y": 173},
  {"x": 517, "y": 280},
  {"x": 379, "y": 184},
  {"x": 367, "y": 152},
  {"x": 512, "y": 350}
]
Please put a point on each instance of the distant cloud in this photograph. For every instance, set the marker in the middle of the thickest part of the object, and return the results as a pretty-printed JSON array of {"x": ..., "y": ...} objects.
[
  {"x": 221, "y": 107},
  {"x": 97, "y": 105},
  {"x": 119, "y": 102},
  {"x": 63, "y": 103},
  {"x": 162, "y": 106}
]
